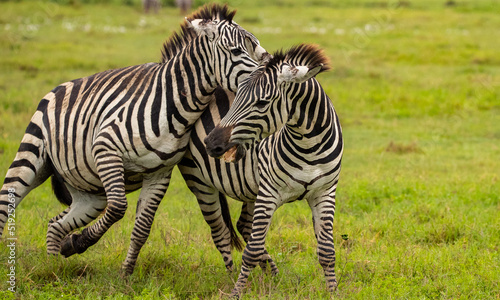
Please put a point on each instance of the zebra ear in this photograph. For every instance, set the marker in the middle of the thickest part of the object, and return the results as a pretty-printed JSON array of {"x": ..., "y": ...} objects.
[
  {"x": 297, "y": 74},
  {"x": 208, "y": 27},
  {"x": 257, "y": 52}
]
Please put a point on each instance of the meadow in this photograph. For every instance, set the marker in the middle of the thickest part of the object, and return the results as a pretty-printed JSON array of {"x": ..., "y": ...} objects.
[{"x": 416, "y": 85}]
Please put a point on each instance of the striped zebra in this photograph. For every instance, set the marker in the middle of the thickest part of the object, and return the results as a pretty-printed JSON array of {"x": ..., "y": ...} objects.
[
  {"x": 211, "y": 180},
  {"x": 301, "y": 160},
  {"x": 102, "y": 136}
]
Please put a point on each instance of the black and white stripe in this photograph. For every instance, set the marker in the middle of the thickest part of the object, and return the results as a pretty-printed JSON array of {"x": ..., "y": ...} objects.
[
  {"x": 301, "y": 160},
  {"x": 117, "y": 131},
  {"x": 211, "y": 180}
]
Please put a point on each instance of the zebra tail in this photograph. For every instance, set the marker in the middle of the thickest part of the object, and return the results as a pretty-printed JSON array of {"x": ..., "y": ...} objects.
[
  {"x": 30, "y": 168},
  {"x": 60, "y": 191},
  {"x": 226, "y": 216}
]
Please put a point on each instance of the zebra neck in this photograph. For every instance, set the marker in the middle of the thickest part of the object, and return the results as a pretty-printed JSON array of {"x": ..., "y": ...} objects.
[
  {"x": 311, "y": 112},
  {"x": 191, "y": 76}
]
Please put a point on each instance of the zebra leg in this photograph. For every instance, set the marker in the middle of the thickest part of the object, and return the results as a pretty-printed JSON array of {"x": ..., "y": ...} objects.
[
  {"x": 59, "y": 216},
  {"x": 214, "y": 208},
  {"x": 255, "y": 251},
  {"x": 110, "y": 169},
  {"x": 244, "y": 226},
  {"x": 54, "y": 246},
  {"x": 85, "y": 208},
  {"x": 210, "y": 205},
  {"x": 210, "y": 202},
  {"x": 323, "y": 210},
  {"x": 152, "y": 193}
]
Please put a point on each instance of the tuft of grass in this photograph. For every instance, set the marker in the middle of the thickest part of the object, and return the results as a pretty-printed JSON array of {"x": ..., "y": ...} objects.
[{"x": 403, "y": 148}]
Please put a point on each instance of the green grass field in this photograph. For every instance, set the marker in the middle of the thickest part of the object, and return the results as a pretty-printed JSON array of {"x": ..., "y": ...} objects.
[{"x": 417, "y": 87}]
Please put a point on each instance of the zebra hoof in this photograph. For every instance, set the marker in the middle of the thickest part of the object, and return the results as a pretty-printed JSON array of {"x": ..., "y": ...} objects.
[
  {"x": 234, "y": 295},
  {"x": 269, "y": 266},
  {"x": 332, "y": 286},
  {"x": 67, "y": 245},
  {"x": 230, "y": 267},
  {"x": 126, "y": 271}
]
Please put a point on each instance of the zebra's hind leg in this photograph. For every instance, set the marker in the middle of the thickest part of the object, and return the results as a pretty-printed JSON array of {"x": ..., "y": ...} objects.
[
  {"x": 323, "y": 210},
  {"x": 214, "y": 208},
  {"x": 244, "y": 226},
  {"x": 211, "y": 202},
  {"x": 111, "y": 172},
  {"x": 85, "y": 208},
  {"x": 153, "y": 190},
  {"x": 54, "y": 239}
]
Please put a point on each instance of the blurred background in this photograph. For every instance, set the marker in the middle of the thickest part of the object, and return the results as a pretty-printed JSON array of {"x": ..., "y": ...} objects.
[{"x": 416, "y": 84}]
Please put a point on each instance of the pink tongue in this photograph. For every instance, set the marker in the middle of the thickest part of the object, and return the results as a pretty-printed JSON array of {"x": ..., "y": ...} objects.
[{"x": 230, "y": 155}]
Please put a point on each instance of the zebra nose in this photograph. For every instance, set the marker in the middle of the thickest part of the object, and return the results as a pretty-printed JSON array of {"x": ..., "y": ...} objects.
[
  {"x": 217, "y": 151},
  {"x": 214, "y": 149},
  {"x": 217, "y": 141}
]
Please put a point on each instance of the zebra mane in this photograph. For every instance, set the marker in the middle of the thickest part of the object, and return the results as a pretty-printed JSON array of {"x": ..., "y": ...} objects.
[
  {"x": 304, "y": 55},
  {"x": 213, "y": 12},
  {"x": 175, "y": 43}
]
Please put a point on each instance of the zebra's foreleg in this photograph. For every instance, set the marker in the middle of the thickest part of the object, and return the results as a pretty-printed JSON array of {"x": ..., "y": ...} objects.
[
  {"x": 110, "y": 169},
  {"x": 323, "y": 210},
  {"x": 244, "y": 226},
  {"x": 152, "y": 193},
  {"x": 85, "y": 208},
  {"x": 255, "y": 251}
]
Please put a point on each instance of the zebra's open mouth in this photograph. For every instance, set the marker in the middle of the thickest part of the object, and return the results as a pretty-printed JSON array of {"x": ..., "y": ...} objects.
[{"x": 234, "y": 153}]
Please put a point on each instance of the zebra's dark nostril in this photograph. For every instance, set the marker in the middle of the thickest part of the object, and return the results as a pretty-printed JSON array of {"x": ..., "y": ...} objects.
[
  {"x": 218, "y": 150},
  {"x": 217, "y": 141}
]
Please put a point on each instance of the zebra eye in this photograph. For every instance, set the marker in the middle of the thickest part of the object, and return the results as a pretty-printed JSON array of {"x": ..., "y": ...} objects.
[
  {"x": 261, "y": 104},
  {"x": 236, "y": 51}
]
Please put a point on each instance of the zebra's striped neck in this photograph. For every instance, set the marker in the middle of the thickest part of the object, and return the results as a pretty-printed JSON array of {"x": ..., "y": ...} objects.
[
  {"x": 191, "y": 74},
  {"x": 310, "y": 111}
]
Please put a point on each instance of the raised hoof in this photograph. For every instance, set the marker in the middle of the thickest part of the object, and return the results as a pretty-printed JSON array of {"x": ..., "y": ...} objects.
[{"x": 67, "y": 245}]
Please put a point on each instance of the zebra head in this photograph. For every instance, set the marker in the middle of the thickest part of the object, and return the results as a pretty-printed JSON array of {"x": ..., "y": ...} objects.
[
  {"x": 266, "y": 100},
  {"x": 234, "y": 52}
]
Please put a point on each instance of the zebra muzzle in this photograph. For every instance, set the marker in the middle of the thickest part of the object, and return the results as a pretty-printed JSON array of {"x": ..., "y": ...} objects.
[{"x": 216, "y": 142}]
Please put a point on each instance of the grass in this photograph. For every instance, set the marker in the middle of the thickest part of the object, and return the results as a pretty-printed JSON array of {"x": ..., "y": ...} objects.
[{"x": 416, "y": 84}]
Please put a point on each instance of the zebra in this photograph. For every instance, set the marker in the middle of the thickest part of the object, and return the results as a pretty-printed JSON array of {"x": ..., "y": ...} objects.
[
  {"x": 211, "y": 180},
  {"x": 301, "y": 160},
  {"x": 113, "y": 132}
]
